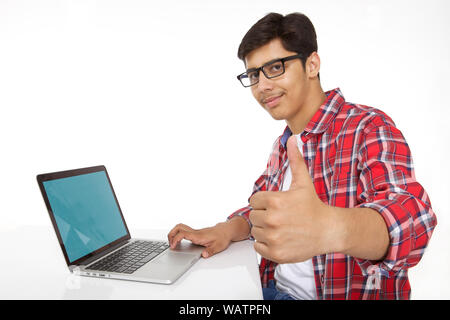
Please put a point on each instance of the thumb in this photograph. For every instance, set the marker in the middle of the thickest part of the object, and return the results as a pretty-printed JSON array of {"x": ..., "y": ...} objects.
[
  {"x": 213, "y": 248},
  {"x": 300, "y": 173},
  {"x": 209, "y": 251}
]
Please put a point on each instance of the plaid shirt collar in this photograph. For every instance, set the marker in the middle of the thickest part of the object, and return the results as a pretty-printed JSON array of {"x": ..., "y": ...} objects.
[{"x": 322, "y": 118}]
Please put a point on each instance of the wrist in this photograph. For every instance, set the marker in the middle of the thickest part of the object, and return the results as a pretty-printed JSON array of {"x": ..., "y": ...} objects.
[
  {"x": 358, "y": 232},
  {"x": 224, "y": 228},
  {"x": 334, "y": 232}
]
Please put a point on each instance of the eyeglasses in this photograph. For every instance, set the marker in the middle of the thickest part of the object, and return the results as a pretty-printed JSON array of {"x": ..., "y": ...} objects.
[{"x": 271, "y": 69}]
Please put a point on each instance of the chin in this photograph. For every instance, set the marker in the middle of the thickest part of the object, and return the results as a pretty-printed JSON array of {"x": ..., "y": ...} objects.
[
  {"x": 278, "y": 117},
  {"x": 276, "y": 114}
]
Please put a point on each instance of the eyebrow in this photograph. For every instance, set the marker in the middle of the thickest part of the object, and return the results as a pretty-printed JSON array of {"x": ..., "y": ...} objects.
[{"x": 266, "y": 63}]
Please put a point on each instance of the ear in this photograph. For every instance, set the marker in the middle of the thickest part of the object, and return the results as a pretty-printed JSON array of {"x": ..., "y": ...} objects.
[{"x": 313, "y": 65}]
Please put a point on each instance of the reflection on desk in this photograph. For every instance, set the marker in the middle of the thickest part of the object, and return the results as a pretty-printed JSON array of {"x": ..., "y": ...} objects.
[{"x": 33, "y": 267}]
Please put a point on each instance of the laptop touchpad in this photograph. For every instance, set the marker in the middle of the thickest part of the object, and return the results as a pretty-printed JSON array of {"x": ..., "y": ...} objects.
[{"x": 175, "y": 258}]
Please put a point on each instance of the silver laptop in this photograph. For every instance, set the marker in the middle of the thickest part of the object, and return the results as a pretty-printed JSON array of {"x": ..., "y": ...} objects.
[{"x": 94, "y": 237}]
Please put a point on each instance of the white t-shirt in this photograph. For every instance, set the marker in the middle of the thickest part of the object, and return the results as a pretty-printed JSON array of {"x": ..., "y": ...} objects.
[{"x": 296, "y": 279}]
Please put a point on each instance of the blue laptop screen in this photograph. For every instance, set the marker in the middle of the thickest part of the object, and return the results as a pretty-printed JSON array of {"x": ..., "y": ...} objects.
[{"x": 86, "y": 212}]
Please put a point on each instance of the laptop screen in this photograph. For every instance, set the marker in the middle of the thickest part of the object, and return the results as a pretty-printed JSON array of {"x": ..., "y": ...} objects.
[{"x": 86, "y": 212}]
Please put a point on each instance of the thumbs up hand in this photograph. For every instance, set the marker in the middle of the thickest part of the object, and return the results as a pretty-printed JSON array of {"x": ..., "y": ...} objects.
[{"x": 294, "y": 225}]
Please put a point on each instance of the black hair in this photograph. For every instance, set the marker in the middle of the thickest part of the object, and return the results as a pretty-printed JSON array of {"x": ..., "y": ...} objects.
[{"x": 295, "y": 31}]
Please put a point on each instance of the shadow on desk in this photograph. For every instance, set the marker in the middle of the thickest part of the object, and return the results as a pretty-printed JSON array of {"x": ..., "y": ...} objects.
[
  {"x": 37, "y": 270},
  {"x": 231, "y": 274}
]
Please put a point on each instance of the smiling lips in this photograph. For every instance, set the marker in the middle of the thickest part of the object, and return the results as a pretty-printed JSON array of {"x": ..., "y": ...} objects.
[{"x": 272, "y": 101}]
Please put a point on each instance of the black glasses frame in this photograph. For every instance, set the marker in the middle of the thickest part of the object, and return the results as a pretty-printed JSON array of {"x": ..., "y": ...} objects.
[{"x": 282, "y": 60}]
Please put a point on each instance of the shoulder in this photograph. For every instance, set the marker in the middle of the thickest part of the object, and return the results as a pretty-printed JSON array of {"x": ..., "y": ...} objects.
[{"x": 363, "y": 118}]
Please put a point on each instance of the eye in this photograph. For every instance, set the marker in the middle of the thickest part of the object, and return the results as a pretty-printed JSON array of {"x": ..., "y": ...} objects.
[
  {"x": 253, "y": 75},
  {"x": 276, "y": 67}
]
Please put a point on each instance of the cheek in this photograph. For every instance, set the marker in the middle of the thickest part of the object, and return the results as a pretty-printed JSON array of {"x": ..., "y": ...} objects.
[
  {"x": 295, "y": 93},
  {"x": 257, "y": 97},
  {"x": 255, "y": 94}
]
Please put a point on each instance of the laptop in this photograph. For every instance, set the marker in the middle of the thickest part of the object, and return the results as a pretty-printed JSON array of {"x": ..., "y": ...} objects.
[{"x": 94, "y": 236}]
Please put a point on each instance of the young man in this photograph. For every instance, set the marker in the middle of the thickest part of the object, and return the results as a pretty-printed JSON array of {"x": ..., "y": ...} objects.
[{"x": 337, "y": 214}]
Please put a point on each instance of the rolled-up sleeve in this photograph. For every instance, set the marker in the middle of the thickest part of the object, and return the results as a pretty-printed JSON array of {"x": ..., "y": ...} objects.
[{"x": 387, "y": 184}]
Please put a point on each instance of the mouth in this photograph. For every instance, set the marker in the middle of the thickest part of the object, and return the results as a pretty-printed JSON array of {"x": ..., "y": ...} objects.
[{"x": 272, "y": 101}]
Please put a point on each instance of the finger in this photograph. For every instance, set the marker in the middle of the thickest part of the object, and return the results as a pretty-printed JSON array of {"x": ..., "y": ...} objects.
[
  {"x": 300, "y": 173},
  {"x": 172, "y": 234},
  {"x": 173, "y": 242},
  {"x": 179, "y": 227},
  {"x": 262, "y": 249},
  {"x": 259, "y": 234},
  {"x": 188, "y": 235},
  {"x": 258, "y": 200},
  {"x": 257, "y": 217}
]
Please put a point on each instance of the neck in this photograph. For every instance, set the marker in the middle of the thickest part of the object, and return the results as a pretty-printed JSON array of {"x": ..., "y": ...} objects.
[{"x": 312, "y": 102}]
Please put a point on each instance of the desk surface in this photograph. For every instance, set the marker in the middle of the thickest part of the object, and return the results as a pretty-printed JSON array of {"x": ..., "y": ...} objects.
[{"x": 33, "y": 267}]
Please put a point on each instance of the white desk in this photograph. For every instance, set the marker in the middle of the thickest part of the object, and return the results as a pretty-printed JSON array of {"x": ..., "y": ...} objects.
[{"x": 32, "y": 266}]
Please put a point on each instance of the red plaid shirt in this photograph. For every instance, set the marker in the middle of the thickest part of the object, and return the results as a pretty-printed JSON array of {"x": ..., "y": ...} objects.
[{"x": 358, "y": 158}]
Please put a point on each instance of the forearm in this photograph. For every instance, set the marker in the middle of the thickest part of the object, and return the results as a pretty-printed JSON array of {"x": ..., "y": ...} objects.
[
  {"x": 359, "y": 232},
  {"x": 237, "y": 228}
]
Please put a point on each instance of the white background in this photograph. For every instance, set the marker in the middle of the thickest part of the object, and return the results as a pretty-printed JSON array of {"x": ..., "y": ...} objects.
[{"x": 149, "y": 89}]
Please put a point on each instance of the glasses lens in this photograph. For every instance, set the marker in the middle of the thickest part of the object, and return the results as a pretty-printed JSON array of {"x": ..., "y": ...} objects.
[
  {"x": 274, "y": 69},
  {"x": 244, "y": 80},
  {"x": 249, "y": 78}
]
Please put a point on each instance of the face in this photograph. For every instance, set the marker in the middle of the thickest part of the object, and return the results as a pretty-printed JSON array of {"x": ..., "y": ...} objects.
[{"x": 284, "y": 96}]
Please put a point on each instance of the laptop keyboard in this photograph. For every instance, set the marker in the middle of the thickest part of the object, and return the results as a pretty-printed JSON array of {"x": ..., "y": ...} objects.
[{"x": 131, "y": 257}]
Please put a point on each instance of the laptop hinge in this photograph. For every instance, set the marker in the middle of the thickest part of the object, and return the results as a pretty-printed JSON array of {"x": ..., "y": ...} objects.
[{"x": 73, "y": 268}]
